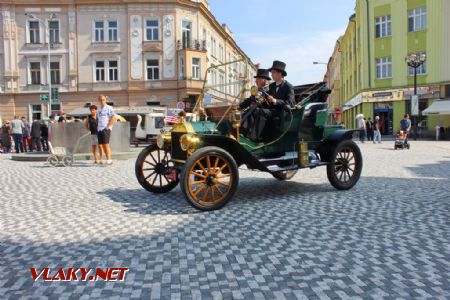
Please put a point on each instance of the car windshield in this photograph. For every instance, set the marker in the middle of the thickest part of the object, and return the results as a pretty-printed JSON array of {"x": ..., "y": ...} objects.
[{"x": 224, "y": 86}]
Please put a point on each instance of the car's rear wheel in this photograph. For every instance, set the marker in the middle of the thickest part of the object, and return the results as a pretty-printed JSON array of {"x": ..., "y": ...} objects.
[
  {"x": 284, "y": 175},
  {"x": 209, "y": 178},
  {"x": 345, "y": 168},
  {"x": 155, "y": 170}
]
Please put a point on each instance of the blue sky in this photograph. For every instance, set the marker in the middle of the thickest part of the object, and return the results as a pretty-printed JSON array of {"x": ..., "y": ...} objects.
[{"x": 297, "y": 32}]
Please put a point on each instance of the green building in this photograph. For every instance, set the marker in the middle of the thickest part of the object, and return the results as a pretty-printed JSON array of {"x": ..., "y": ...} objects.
[{"x": 375, "y": 78}]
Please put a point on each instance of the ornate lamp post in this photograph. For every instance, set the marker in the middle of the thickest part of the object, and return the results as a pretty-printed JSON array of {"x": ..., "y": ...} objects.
[{"x": 414, "y": 61}]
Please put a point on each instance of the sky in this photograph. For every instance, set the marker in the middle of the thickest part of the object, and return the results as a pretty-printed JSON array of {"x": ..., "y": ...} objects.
[{"x": 297, "y": 32}]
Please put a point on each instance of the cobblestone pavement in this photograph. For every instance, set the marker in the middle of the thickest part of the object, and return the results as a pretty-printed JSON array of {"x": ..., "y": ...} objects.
[{"x": 388, "y": 237}]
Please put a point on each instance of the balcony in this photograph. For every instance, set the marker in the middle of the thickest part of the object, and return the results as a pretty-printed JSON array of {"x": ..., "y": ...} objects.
[{"x": 184, "y": 44}]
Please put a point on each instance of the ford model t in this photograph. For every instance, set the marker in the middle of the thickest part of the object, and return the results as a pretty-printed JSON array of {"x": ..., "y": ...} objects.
[{"x": 204, "y": 156}]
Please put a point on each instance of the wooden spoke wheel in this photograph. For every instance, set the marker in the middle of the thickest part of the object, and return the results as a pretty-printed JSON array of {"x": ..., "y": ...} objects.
[
  {"x": 284, "y": 175},
  {"x": 345, "y": 168},
  {"x": 209, "y": 178},
  {"x": 155, "y": 171}
]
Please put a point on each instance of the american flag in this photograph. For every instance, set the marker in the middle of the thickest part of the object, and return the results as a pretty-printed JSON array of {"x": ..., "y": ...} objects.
[{"x": 171, "y": 116}]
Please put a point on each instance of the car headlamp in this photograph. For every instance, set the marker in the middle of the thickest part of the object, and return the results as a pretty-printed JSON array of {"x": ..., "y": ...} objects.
[
  {"x": 163, "y": 139},
  {"x": 189, "y": 142}
]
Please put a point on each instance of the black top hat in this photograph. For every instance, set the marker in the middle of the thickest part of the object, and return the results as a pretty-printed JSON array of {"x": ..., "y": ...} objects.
[
  {"x": 280, "y": 66},
  {"x": 263, "y": 73}
]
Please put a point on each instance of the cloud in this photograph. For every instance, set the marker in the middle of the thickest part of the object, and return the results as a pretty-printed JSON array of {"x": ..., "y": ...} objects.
[{"x": 297, "y": 50}]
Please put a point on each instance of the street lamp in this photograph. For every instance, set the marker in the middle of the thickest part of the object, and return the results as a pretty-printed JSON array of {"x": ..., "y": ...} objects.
[
  {"x": 414, "y": 61},
  {"x": 47, "y": 34}
]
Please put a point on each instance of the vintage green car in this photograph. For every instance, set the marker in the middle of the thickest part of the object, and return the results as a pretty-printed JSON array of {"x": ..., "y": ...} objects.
[{"x": 204, "y": 156}]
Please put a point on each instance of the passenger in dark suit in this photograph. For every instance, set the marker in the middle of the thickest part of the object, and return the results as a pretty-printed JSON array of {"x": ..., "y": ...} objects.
[
  {"x": 281, "y": 92},
  {"x": 253, "y": 114}
]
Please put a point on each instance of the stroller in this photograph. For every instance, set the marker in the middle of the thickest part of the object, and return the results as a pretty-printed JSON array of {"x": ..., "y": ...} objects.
[
  {"x": 61, "y": 155},
  {"x": 401, "y": 140}
]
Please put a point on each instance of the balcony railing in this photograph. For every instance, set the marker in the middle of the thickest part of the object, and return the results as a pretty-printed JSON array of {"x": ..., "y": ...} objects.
[{"x": 191, "y": 44}]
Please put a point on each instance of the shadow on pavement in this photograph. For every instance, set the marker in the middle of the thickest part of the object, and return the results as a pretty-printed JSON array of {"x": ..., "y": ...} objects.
[{"x": 439, "y": 170}]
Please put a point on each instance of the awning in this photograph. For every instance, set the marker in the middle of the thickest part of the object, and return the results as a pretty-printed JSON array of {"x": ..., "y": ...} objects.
[{"x": 438, "y": 107}]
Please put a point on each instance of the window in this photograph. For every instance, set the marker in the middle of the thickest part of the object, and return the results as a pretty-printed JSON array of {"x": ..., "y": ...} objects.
[
  {"x": 222, "y": 82},
  {"x": 152, "y": 69},
  {"x": 152, "y": 30},
  {"x": 384, "y": 67},
  {"x": 99, "y": 31},
  {"x": 186, "y": 34},
  {"x": 106, "y": 31},
  {"x": 54, "y": 32},
  {"x": 55, "y": 73},
  {"x": 196, "y": 68},
  {"x": 182, "y": 68},
  {"x": 99, "y": 71},
  {"x": 421, "y": 70},
  {"x": 112, "y": 31},
  {"x": 106, "y": 70},
  {"x": 35, "y": 72},
  {"x": 113, "y": 70},
  {"x": 213, "y": 47},
  {"x": 36, "y": 111},
  {"x": 383, "y": 26},
  {"x": 417, "y": 19},
  {"x": 34, "y": 32},
  {"x": 221, "y": 53}
]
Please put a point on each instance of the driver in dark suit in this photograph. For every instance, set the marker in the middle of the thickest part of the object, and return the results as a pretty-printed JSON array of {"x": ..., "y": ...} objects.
[{"x": 281, "y": 92}]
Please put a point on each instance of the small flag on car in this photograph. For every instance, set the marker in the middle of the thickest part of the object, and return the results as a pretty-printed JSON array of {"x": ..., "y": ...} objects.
[{"x": 171, "y": 116}]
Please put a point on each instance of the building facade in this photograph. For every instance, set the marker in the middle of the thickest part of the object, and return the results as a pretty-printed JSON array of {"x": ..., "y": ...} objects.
[
  {"x": 375, "y": 77},
  {"x": 136, "y": 53}
]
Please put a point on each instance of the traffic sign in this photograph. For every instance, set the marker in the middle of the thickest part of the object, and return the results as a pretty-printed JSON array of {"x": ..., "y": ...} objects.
[
  {"x": 44, "y": 97},
  {"x": 180, "y": 105}
]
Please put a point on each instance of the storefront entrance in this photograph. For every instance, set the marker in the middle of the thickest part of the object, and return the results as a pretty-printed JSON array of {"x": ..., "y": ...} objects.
[{"x": 384, "y": 111}]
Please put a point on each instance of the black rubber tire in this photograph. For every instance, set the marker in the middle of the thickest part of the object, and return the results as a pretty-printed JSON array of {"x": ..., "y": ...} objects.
[
  {"x": 344, "y": 165},
  {"x": 144, "y": 180},
  {"x": 192, "y": 161},
  {"x": 284, "y": 175}
]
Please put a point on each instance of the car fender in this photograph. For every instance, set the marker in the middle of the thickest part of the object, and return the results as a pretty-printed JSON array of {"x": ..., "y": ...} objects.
[
  {"x": 232, "y": 146},
  {"x": 326, "y": 147}
]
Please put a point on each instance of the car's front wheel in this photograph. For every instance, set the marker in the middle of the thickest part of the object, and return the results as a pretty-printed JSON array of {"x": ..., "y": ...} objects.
[
  {"x": 155, "y": 170},
  {"x": 345, "y": 168},
  {"x": 209, "y": 178}
]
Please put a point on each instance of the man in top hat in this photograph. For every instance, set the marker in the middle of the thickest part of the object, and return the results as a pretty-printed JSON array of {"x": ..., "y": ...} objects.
[
  {"x": 253, "y": 118},
  {"x": 281, "y": 92}
]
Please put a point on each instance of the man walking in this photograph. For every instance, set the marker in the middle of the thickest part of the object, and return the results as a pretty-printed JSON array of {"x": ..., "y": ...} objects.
[
  {"x": 17, "y": 128},
  {"x": 26, "y": 135},
  {"x": 106, "y": 119},
  {"x": 376, "y": 132},
  {"x": 369, "y": 128},
  {"x": 35, "y": 136}
]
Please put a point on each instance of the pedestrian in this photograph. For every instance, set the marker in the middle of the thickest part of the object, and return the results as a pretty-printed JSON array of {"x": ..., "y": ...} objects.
[
  {"x": 52, "y": 119},
  {"x": 44, "y": 136},
  {"x": 369, "y": 129},
  {"x": 62, "y": 118},
  {"x": 26, "y": 135},
  {"x": 35, "y": 136},
  {"x": 377, "y": 132},
  {"x": 361, "y": 127},
  {"x": 17, "y": 128},
  {"x": 6, "y": 137},
  {"x": 90, "y": 123},
  {"x": 106, "y": 118}
]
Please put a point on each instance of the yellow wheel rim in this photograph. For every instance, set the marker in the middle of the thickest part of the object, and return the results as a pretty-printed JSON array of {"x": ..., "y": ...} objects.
[{"x": 209, "y": 180}]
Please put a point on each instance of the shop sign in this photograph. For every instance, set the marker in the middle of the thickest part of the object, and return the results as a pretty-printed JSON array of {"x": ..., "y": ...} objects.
[{"x": 382, "y": 94}]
